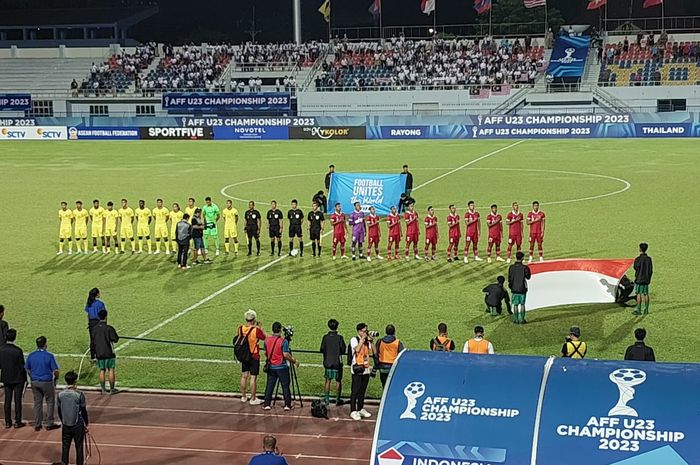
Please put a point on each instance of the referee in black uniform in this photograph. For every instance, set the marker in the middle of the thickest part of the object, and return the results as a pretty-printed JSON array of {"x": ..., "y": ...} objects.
[
  {"x": 252, "y": 227},
  {"x": 295, "y": 217},
  {"x": 274, "y": 220},
  {"x": 315, "y": 227}
]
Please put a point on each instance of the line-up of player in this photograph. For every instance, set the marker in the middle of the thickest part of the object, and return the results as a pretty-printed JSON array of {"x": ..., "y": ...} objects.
[{"x": 105, "y": 223}]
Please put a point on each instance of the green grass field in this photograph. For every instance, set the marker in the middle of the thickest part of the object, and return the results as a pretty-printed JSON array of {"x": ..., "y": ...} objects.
[{"x": 45, "y": 294}]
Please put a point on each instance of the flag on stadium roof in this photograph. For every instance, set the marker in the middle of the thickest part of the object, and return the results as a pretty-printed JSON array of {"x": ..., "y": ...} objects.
[
  {"x": 375, "y": 8},
  {"x": 650, "y": 3},
  {"x": 595, "y": 4},
  {"x": 482, "y": 6},
  {"x": 534, "y": 3},
  {"x": 567, "y": 282},
  {"x": 325, "y": 10},
  {"x": 427, "y": 6}
]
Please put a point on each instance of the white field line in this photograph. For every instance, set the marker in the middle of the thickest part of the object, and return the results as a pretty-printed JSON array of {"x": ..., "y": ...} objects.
[
  {"x": 235, "y": 283},
  {"x": 182, "y": 359}
]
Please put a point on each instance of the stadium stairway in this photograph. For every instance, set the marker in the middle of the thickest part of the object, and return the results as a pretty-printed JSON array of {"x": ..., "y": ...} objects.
[
  {"x": 592, "y": 72},
  {"x": 42, "y": 75}
]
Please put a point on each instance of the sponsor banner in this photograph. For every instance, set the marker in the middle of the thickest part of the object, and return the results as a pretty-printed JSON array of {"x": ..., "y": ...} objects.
[
  {"x": 382, "y": 191},
  {"x": 33, "y": 133},
  {"x": 568, "y": 57},
  {"x": 189, "y": 121},
  {"x": 96, "y": 133},
  {"x": 453, "y": 408},
  {"x": 213, "y": 102},
  {"x": 328, "y": 132},
  {"x": 251, "y": 133},
  {"x": 404, "y": 132},
  {"x": 663, "y": 129},
  {"x": 631, "y": 413},
  {"x": 15, "y": 102},
  {"x": 19, "y": 122},
  {"x": 176, "y": 133}
]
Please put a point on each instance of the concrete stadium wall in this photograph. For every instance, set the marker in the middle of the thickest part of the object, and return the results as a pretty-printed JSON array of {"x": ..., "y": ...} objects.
[{"x": 60, "y": 52}]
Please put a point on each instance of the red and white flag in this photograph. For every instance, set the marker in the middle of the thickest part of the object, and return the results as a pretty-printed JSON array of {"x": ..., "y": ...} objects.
[
  {"x": 427, "y": 6},
  {"x": 534, "y": 3},
  {"x": 650, "y": 3},
  {"x": 595, "y": 4},
  {"x": 577, "y": 281}
]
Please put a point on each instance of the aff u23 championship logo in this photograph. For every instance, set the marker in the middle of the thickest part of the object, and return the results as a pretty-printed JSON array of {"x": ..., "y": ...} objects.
[
  {"x": 626, "y": 379},
  {"x": 413, "y": 391}
]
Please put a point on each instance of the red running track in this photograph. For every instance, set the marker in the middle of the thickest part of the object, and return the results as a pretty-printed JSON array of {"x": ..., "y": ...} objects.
[{"x": 159, "y": 429}]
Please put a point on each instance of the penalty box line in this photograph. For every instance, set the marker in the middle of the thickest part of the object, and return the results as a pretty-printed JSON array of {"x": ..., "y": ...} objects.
[{"x": 244, "y": 278}]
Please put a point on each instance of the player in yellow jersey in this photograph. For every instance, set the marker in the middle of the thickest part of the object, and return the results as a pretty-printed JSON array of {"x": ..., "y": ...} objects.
[
  {"x": 230, "y": 216},
  {"x": 190, "y": 208},
  {"x": 65, "y": 219},
  {"x": 175, "y": 217},
  {"x": 126, "y": 225},
  {"x": 80, "y": 217},
  {"x": 110, "y": 231},
  {"x": 161, "y": 214},
  {"x": 97, "y": 218},
  {"x": 143, "y": 226}
]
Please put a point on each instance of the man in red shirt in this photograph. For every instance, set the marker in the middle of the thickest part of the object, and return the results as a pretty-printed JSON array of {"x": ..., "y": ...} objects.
[
  {"x": 536, "y": 221},
  {"x": 495, "y": 223},
  {"x": 338, "y": 221},
  {"x": 454, "y": 234},
  {"x": 431, "y": 233},
  {"x": 252, "y": 329},
  {"x": 514, "y": 220},
  {"x": 412, "y": 231},
  {"x": 393, "y": 221},
  {"x": 472, "y": 220},
  {"x": 373, "y": 234}
]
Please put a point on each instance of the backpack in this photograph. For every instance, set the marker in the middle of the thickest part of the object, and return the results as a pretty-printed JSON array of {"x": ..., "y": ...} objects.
[
  {"x": 350, "y": 352},
  {"x": 442, "y": 347},
  {"x": 241, "y": 347},
  {"x": 319, "y": 409}
]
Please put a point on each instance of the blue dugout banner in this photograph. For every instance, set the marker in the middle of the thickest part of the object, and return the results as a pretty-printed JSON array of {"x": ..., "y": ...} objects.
[
  {"x": 487, "y": 410},
  {"x": 381, "y": 191},
  {"x": 15, "y": 102},
  {"x": 568, "y": 60},
  {"x": 213, "y": 102}
]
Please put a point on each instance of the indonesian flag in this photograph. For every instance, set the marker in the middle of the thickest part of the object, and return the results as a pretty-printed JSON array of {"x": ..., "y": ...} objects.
[
  {"x": 650, "y": 3},
  {"x": 482, "y": 6},
  {"x": 427, "y": 6},
  {"x": 595, "y": 4},
  {"x": 577, "y": 281}
]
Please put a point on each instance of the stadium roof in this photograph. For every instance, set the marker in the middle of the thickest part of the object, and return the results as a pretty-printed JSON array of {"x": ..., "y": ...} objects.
[{"x": 75, "y": 16}]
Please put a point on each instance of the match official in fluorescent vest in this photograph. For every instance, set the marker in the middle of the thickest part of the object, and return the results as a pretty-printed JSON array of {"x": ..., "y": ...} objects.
[
  {"x": 388, "y": 348},
  {"x": 477, "y": 344}
]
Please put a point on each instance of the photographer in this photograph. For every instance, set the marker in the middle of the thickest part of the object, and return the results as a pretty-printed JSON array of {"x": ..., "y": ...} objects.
[
  {"x": 574, "y": 347},
  {"x": 271, "y": 454},
  {"x": 277, "y": 368},
  {"x": 495, "y": 296},
  {"x": 332, "y": 346},
  {"x": 388, "y": 349},
  {"x": 252, "y": 332},
  {"x": 362, "y": 352},
  {"x": 198, "y": 237},
  {"x": 624, "y": 291}
]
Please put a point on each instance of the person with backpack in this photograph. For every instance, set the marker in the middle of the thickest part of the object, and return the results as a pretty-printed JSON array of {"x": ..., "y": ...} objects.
[
  {"x": 442, "y": 343},
  {"x": 574, "y": 347},
  {"x": 332, "y": 347},
  {"x": 246, "y": 349},
  {"x": 388, "y": 350}
]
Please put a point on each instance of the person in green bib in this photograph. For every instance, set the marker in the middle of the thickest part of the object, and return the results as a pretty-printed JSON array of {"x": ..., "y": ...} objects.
[{"x": 211, "y": 215}]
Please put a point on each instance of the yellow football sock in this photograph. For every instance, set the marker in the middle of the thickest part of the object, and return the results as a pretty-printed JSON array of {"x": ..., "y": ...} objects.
[
  {"x": 140, "y": 245},
  {"x": 70, "y": 245},
  {"x": 85, "y": 244},
  {"x": 60, "y": 246},
  {"x": 148, "y": 243},
  {"x": 235, "y": 246},
  {"x": 227, "y": 246}
]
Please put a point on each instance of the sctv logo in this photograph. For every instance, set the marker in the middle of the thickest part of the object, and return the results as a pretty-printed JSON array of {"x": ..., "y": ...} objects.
[
  {"x": 13, "y": 133},
  {"x": 48, "y": 134}
]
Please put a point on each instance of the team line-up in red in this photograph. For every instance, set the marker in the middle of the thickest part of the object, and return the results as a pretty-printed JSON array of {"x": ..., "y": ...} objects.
[{"x": 535, "y": 219}]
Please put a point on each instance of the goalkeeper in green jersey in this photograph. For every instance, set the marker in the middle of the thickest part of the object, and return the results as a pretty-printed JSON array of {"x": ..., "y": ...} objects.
[{"x": 211, "y": 215}]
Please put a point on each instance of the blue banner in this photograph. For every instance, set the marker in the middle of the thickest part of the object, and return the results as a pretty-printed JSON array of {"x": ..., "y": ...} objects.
[
  {"x": 103, "y": 133},
  {"x": 404, "y": 132},
  {"x": 15, "y": 102},
  {"x": 454, "y": 408},
  {"x": 568, "y": 57},
  {"x": 251, "y": 132},
  {"x": 382, "y": 191},
  {"x": 619, "y": 412},
  {"x": 213, "y": 102}
]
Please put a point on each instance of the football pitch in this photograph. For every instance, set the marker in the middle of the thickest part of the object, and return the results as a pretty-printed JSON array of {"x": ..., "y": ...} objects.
[{"x": 601, "y": 198}]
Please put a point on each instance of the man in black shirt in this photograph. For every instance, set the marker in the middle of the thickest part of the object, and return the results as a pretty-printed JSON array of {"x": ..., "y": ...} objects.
[
  {"x": 13, "y": 377},
  {"x": 198, "y": 237},
  {"x": 105, "y": 337},
  {"x": 274, "y": 220},
  {"x": 252, "y": 227},
  {"x": 331, "y": 170},
  {"x": 518, "y": 275},
  {"x": 643, "y": 270},
  {"x": 405, "y": 201},
  {"x": 639, "y": 350},
  {"x": 295, "y": 217},
  {"x": 316, "y": 219},
  {"x": 321, "y": 200},
  {"x": 332, "y": 348},
  {"x": 3, "y": 326},
  {"x": 495, "y": 296},
  {"x": 409, "y": 180}
]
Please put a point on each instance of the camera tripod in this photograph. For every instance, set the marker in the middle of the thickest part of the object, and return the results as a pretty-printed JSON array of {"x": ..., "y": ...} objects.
[{"x": 293, "y": 386}]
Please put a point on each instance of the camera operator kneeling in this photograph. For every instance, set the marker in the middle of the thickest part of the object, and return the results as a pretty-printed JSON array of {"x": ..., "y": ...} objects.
[
  {"x": 362, "y": 352},
  {"x": 276, "y": 366}
]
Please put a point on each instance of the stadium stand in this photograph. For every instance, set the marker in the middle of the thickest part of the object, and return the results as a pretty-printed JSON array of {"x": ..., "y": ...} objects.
[
  {"x": 40, "y": 75},
  {"x": 119, "y": 72},
  {"x": 406, "y": 64},
  {"x": 251, "y": 57}
]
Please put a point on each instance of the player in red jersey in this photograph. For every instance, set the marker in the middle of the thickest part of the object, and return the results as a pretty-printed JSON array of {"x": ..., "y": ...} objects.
[
  {"x": 454, "y": 234},
  {"x": 431, "y": 233},
  {"x": 495, "y": 223},
  {"x": 338, "y": 220},
  {"x": 536, "y": 221},
  {"x": 514, "y": 220},
  {"x": 372, "y": 221},
  {"x": 393, "y": 221},
  {"x": 473, "y": 221},
  {"x": 412, "y": 231}
]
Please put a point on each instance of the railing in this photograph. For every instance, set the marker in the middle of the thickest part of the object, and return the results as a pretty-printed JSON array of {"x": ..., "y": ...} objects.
[
  {"x": 262, "y": 66},
  {"x": 316, "y": 67},
  {"x": 649, "y": 83},
  {"x": 677, "y": 24},
  {"x": 534, "y": 29},
  {"x": 472, "y": 88}
]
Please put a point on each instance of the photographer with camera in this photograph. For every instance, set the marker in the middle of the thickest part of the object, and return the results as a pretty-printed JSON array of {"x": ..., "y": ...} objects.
[
  {"x": 247, "y": 351},
  {"x": 277, "y": 366},
  {"x": 574, "y": 347},
  {"x": 271, "y": 454},
  {"x": 388, "y": 349},
  {"x": 362, "y": 351},
  {"x": 332, "y": 347}
]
